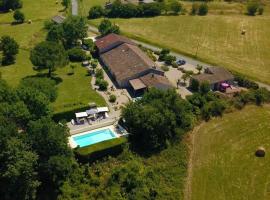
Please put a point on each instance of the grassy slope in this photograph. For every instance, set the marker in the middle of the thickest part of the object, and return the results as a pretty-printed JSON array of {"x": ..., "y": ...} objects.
[
  {"x": 217, "y": 37},
  {"x": 224, "y": 165},
  {"x": 74, "y": 91}
]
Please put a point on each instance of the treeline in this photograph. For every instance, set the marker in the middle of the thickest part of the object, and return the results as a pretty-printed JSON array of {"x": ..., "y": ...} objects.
[{"x": 118, "y": 9}]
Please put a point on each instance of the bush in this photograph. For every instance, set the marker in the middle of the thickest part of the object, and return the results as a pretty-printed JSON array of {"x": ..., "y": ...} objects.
[
  {"x": 252, "y": 8},
  {"x": 165, "y": 68},
  {"x": 19, "y": 16},
  {"x": 76, "y": 55},
  {"x": 89, "y": 44},
  {"x": 112, "y": 98},
  {"x": 245, "y": 82},
  {"x": 194, "y": 85},
  {"x": 203, "y": 9},
  {"x": 169, "y": 59},
  {"x": 99, "y": 74},
  {"x": 96, "y": 12},
  {"x": 99, "y": 150},
  {"x": 103, "y": 85},
  {"x": 260, "y": 10},
  {"x": 106, "y": 27}
]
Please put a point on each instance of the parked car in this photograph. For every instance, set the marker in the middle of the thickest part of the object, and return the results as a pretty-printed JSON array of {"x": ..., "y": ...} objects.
[{"x": 180, "y": 62}]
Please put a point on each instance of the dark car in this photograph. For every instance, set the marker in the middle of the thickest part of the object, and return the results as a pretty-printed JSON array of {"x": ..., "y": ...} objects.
[{"x": 180, "y": 62}]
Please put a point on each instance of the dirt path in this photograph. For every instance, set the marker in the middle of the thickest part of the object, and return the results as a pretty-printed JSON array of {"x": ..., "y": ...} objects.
[{"x": 188, "y": 188}]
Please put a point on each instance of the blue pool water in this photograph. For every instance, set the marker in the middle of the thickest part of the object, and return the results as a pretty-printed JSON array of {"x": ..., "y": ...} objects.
[{"x": 94, "y": 137}]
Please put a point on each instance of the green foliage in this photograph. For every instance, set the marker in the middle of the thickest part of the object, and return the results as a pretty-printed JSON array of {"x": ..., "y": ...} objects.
[
  {"x": 89, "y": 44},
  {"x": 260, "y": 10},
  {"x": 176, "y": 7},
  {"x": 99, "y": 74},
  {"x": 169, "y": 59},
  {"x": 96, "y": 12},
  {"x": 74, "y": 28},
  {"x": 99, "y": 150},
  {"x": 154, "y": 120},
  {"x": 165, "y": 68},
  {"x": 203, "y": 9},
  {"x": 106, "y": 27},
  {"x": 9, "y": 48},
  {"x": 204, "y": 87},
  {"x": 55, "y": 33},
  {"x": 76, "y": 54},
  {"x": 245, "y": 82},
  {"x": 94, "y": 63},
  {"x": 252, "y": 7},
  {"x": 194, "y": 85},
  {"x": 6, "y": 5},
  {"x": 48, "y": 55},
  {"x": 103, "y": 85},
  {"x": 19, "y": 16},
  {"x": 44, "y": 85},
  {"x": 65, "y": 3},
  {"x": 112, "y": 98}
]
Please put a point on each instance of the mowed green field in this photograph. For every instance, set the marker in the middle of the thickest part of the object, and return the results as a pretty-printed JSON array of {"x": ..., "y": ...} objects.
[
  {"x": 73, "y": 91},
  {"x": 224, "y": 164},
  {"x": 215, "y": 38}
]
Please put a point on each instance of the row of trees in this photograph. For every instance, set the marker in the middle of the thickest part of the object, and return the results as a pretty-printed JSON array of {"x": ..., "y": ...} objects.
[{"x": 118, "y": 9}]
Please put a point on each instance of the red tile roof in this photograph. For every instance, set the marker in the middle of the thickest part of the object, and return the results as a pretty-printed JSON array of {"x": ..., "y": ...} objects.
[{"x": 111, "y": 41}]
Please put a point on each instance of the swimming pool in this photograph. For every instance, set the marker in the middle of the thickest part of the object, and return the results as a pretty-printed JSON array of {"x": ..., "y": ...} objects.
[{"x": 94, "y": 137}]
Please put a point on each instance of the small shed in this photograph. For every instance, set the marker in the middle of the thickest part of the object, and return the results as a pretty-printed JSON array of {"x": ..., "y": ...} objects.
[
  {"x": 102, "y": 109},
  {"x": 58, "y": 19}
]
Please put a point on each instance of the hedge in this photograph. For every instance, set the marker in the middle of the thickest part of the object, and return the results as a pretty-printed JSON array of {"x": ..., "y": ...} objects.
[{"x": 96, "y": 151}]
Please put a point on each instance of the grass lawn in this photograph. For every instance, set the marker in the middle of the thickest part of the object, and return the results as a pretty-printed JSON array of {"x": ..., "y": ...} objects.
[
  {"x": 224, "y": 164},
  {"x": 215, "y": 38},
  {"x": 74, "y": 91}
]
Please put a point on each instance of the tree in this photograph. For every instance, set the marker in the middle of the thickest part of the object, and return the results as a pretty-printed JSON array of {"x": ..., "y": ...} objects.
[
  {"x": 106, "y": 27},
  {"x": 203, "y": 9},
  {"x": 48, "y": 55},
  {"x": 19, "y": 16},
  {"x": 74, "y": 29},
  {"x": 204, "y": 87},
  {"x": 176, "y": 7},
  {"x": 194, "y": 85},
  {"x": 45, "y": 85},
  {"x": 5, "y": 5},
  {"x": 65, "y": 3},
  {"x": 89, "y": 44},
  {"x": 185, "y": 76},
  {"x": 10, "y": 48},
  {"x": 36, "y": 102},
  {"x": 252, "y": 7},
  {"x": 55, "y": 33},
  {"x": 96, "y": 12},
  {"x": 260, "y": 10},
  {"x": 18, "y": 165}
]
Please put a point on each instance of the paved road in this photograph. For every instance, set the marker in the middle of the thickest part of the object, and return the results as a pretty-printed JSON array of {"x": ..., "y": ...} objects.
[
  {"x": 74, "y": 7},
  {"x": 189, "y": 60}
]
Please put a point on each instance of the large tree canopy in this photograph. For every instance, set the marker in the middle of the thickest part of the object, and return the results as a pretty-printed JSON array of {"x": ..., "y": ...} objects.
[
  {"x": 48, "y": 55},
  {"x": 74, "y": 28},
  {"x": 5, "y": 5},
  {"x": 10, "y": 48},
  {"x": 159, "y": 117}
]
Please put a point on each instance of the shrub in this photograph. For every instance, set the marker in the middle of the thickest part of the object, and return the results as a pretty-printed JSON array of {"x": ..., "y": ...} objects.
[
  {"x": 203, "y": 9},
  {"x": 99, "y": 150},
  {"x": 252, "y": 8},
  {"x": 94, "y": 63},
  {"x": 245, "y": 82},
  {"x": 106, "y": 27},
  {"x": 260, "y": 10},
  {"x": 165, "y": 68},
  {"x": 194, "y": 85},
  {"x": 76, "y": 55},
  {"x": 204, "y": 87},
  {"x": 89, "y": 44},
  {"x": 19, "y": 16},
  {"x": 169, "y": 59},
  {"x": 99, "y": 74},
  {"x": 176, "y": 7},
  {"x": 103, "y": 85},
  {"x": 96, "y": 12},
  {"x": 112, "y": 98}
]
